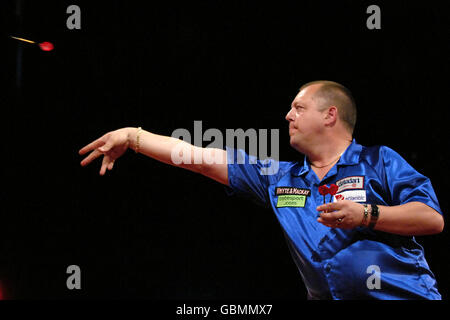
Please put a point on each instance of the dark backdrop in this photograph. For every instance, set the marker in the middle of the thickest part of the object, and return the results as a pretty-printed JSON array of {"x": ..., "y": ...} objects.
[{"x": 150, "y": 230}]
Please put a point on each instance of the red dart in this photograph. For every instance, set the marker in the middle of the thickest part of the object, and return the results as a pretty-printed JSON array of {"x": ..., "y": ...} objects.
[
  {"x": 324, "y": 190},
  {"x": 46, "y": 46},
  {"x": 333, "y": 189}
]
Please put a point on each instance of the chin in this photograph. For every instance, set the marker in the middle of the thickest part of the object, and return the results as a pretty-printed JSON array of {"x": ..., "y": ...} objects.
[{"x": 296, "y": 145}]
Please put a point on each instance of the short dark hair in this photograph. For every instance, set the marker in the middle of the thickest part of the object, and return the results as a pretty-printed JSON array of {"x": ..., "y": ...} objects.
[{"x": 336, "y": 94}]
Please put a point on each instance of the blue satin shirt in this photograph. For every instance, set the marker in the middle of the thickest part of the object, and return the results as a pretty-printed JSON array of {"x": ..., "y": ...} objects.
[{"x": 343, "y": 264}]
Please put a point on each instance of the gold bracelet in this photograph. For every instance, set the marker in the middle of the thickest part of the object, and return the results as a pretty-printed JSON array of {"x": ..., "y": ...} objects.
[{"x": 137, "y": 139}]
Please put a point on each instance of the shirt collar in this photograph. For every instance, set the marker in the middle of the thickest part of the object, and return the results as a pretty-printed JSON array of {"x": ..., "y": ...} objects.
[{"x": 349, "y": 157}]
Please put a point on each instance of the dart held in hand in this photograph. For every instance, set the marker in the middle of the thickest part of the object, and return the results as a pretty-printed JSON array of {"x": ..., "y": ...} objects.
[{"x": 324, "y": 190}]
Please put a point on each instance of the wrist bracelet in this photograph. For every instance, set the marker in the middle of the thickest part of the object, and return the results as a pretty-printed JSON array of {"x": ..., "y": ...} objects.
[
  {"x": 373, "y": 216},
  {"x": 137, "y": 140},
  {"x": 366, "y": 215}
]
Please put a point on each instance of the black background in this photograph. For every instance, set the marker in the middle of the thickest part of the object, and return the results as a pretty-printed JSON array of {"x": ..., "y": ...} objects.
[{"x": 148, "y": 230}]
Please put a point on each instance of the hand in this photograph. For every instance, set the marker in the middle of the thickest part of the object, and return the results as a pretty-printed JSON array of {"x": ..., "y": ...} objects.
[
  {"x": 344, "y": 214},
  {"x": 112, "y": 145}
]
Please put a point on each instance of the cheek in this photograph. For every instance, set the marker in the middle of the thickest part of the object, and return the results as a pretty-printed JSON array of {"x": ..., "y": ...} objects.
[
  {"x": 301, "y": 121},
  {"x": 307, "y": 125}
]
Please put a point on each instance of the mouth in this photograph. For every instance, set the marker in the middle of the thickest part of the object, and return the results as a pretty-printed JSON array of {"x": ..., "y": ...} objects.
[{"x": 291, "y": 131}]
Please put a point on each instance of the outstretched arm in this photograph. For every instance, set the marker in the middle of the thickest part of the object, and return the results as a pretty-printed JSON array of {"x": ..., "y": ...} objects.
[{"x": 206, "y": 161}]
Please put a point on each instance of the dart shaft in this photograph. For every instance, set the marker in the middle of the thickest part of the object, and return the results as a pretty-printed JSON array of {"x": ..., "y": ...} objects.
[{"x": 22, "y": 39}]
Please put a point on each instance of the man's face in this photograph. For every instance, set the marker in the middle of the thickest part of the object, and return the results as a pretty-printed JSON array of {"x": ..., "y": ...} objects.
[{"x": 305, "y": 119}]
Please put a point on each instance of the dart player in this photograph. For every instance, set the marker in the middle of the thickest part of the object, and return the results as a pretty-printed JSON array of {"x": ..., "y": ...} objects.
[{"x": 361, "y": 244}]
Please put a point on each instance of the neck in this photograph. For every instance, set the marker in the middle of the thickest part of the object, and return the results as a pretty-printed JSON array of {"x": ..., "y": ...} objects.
[{"x": 327, "y": 152}]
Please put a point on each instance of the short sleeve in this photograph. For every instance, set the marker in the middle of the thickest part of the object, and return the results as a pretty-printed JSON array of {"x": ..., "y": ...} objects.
[
  {"x": 250, "y": 177},
  {"x": 404, "y": 183}
]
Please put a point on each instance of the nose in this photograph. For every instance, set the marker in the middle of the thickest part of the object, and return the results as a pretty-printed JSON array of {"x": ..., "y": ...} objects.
[{"x": 290, "y": 116}]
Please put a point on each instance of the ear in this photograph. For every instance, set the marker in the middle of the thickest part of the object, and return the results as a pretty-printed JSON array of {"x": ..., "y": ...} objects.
[{"x": 331, "y": 115}]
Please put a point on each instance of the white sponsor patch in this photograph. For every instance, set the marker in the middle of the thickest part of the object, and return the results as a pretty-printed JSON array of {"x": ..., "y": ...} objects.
[
  {"x": 354, "y": 182},
  {"x": 352, "y": 195}
]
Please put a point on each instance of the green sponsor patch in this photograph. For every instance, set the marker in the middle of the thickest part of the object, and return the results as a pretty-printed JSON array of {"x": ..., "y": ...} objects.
[{"x": 289, "y": 200}]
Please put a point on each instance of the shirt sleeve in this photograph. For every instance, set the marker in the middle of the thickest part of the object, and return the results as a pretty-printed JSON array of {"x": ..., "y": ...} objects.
[
  {"x": 405, "y": 184},
  {"x": 250, "y": 177}
]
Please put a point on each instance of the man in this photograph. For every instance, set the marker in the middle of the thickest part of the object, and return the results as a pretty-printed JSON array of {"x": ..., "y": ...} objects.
[{"x": 360, "y": 245}]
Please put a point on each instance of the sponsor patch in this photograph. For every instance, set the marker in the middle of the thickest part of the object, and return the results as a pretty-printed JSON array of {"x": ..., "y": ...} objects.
[
  {"x": 352, "y": 195},
  {"x": 291, "y": 197},
  {"x": 348, "y": 183},
  {"x": 291, "y": 201},
  {"x": 292, "y": 191}
]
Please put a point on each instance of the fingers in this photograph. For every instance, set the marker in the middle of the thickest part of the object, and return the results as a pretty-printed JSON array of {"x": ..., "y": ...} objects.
[
  {"x": 108, "y": 145},
  {"x": 104, "y": 165},
  {"x": 92, "y": 146},
  {"x": 333, "y": 220},
  {"x": 107, "y": 163},
  {"x": 332, "y": 206},
  {"x": 94, "y": 155},
  {"x": 100, "y": 146},
  {"x": 330, "y": 217}
]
